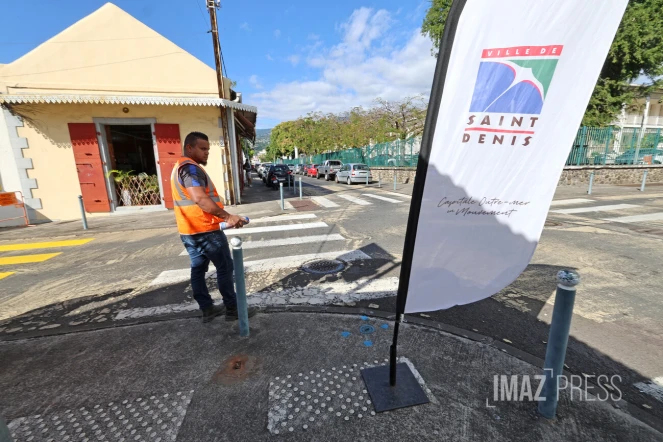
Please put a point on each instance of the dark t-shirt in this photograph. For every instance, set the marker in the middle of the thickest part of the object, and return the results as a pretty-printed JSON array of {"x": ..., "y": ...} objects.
[{"x": 192, "y": 176}]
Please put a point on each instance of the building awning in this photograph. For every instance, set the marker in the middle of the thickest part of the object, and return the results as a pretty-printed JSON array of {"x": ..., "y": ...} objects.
[{"x": 125, "y": 99}]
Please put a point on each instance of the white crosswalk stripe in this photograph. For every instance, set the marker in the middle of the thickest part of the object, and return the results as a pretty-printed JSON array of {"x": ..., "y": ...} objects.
[
  {"x": 382, "y": 198},
  {"x": 287, "y": 262},
  {"x": 324, "y": 202},
  {"x": 402, "y": 195},
  {"x": 279, "y": 228},
  {"x": 595, "y": 209},
  {"x": 355, "y": 200},
  {"x": 246, "y": 245},
  {"x": 279, "y": 218},
  {"x": 637, "y": 218},
  {"x": 570, "y": 202}
]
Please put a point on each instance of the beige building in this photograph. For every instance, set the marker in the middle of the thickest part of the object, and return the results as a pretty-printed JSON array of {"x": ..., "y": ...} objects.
[{"x": 109, "y": 93}]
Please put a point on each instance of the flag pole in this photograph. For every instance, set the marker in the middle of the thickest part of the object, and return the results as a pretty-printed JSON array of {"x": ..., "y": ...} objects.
[{"x": 441, "y": 67}]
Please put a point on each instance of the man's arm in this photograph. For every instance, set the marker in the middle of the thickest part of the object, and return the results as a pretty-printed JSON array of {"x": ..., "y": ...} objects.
[{"x": 200, "y": 197}]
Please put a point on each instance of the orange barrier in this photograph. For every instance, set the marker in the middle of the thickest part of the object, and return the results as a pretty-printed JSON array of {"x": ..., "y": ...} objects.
[{"x": 10, "y": 199}]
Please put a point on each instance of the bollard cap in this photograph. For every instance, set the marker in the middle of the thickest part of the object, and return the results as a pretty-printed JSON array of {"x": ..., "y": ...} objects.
[
  {"x": 567, "y": 278},
  {"x": 236, "y": 243}
]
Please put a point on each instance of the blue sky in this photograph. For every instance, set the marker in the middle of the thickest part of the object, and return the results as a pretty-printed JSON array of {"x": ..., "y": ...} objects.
[{"x": 288, "y": 58}]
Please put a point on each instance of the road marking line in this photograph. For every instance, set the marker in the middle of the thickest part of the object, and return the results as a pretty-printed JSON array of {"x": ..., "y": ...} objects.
[
  {"x": 383, "y": 198},
  {"x": 27, "y": 259},
  {"x": 571, "y": 201},
  {"x": 263, "y": 265},
  {"x": 398, "y": 194},
  {"x": 285, "y": 227},
  {"x": 637, "y": 218},
  {"x": 270, "y": 219},
  {"x": 325, "y": 293},
  {"x": 5, "y": 274},
  {"x": 596, "y": 209},
  {"x": 286, "y": 241},
  {"x": 286, "y": 262},
  {"x": 44, "y": 245},
  {"x": 352, "y": 199},
  {"x": 324, "y": 202},
  {"x": 179, "y": 275}
]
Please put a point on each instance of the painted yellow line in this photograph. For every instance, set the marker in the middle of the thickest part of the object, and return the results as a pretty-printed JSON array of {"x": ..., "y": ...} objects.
[
  {"x": 44, "y": 245},
  {"x": 27, "y": 259},
  {"x": 5, "y": 274}
]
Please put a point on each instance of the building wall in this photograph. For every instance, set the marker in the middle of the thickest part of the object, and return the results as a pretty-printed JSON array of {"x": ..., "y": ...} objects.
[{"x": 49, "y": 147}]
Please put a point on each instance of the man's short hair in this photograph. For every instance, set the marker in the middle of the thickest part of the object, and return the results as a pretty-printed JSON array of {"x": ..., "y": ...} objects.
[{"x": 193, "y": 138}]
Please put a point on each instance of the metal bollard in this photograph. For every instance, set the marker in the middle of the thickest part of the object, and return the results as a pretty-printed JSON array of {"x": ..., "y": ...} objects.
[
  {"x": 557, "y": 341},
  {"x": 300, "y": 188},
  {"x": 379, "y": 183},
  {"x": 80, "y": 203},
  {"x": 394, "y": 179},
  {"x": 240, "y": 286},
  {"x": 644, "y": 180},
  {"x": 591, "y": 182},
  {"x": 367, "y": 179},
  {"x": 282, "y": 203}
]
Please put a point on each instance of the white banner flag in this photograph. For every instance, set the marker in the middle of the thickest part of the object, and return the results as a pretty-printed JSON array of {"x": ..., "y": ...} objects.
[{"x": 518, "y": 79}]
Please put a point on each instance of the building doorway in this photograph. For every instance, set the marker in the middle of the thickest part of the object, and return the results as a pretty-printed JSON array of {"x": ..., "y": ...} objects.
[{"x": 133, "y": 167}]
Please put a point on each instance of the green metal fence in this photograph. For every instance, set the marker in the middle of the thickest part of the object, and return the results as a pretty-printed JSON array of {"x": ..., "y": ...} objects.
[
  {"x": 592, "y": 146},
  {"x": 611, "y": 145}
]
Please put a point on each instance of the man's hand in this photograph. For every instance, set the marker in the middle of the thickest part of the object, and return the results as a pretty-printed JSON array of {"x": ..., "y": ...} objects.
[{"x": 234, "y": 221}]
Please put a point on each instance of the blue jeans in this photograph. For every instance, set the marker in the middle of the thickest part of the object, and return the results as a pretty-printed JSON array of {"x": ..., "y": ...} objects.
[{"x": 203, "y": 248}]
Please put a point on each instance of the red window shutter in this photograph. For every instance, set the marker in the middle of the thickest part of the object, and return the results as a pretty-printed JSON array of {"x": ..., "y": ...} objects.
[
  {"x": 89, "y": 166},
  {"x": 169, "y": 146}
]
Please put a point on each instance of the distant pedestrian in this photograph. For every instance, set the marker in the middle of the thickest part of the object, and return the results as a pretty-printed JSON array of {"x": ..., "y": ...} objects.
[
  {"x": 199, "y": 213},
  {"x": 247, "y": 170}
]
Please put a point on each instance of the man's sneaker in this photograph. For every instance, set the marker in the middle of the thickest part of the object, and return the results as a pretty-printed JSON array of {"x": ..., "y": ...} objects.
[
  {"x": 212, "y": 312},
  {"x": 233, "y": 315}
]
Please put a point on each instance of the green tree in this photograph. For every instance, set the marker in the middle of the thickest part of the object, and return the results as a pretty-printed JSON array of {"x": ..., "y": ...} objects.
[{"x": 636, "y": 50}]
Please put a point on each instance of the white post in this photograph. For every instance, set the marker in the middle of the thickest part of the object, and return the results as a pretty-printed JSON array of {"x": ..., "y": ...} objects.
[{"x": 645, "y": 116}]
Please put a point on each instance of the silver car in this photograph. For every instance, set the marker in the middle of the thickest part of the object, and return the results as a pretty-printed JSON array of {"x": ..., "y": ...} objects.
[{"x": 353, "y": 173}]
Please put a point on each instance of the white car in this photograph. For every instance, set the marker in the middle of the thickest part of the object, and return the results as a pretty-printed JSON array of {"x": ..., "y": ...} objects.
[{"x": 354, "y": 173}]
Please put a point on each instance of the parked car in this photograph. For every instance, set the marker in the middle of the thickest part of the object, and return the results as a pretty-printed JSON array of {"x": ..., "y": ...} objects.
[
  {"x": 328, "y": 169},
  {"x": 299, "y": 169},
  {"x": 262, "y": 170},
  {"x": 354, "y": 173},
  {"x": 291, "y": 167},
  {"x": 645, "y": 156},
  {"x": 279, "y": 173},
  {"x": 312, "y": 170}
]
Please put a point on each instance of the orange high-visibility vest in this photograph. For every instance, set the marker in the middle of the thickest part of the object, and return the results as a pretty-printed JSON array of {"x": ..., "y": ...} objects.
[{"x": 191, "y": 219}]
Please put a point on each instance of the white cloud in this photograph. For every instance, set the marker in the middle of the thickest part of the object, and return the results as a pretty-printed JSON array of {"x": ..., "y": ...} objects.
[
  {"x": 270, "y": 58},
  {"x": 277, "y": 33},
  {"x": 253, "y": 80},
  {"x": 364, "y": 65},
  {"x": 245, "y": 27},
  {"x": 313, "y": 37}
]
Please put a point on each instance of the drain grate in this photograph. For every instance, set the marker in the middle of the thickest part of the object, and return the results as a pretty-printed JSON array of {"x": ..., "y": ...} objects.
[{"x": 323, "y": 266}]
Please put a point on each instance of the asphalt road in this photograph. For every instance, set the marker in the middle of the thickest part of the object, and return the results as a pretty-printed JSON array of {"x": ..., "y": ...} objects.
[{"x": 119, "y": 275}]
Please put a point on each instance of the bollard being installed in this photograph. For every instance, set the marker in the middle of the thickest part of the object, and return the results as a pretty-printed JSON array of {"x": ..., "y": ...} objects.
[
  {"x": 240, "y": 286},
  {"x": 80, "y": 203},
  {"x": 557, "y": 341},
  {"x": 281, "y": 189},
  {"x": 644, "y": 180},
  {"x": 300, "y": 188},
  {"x": 591, "y": 182}
]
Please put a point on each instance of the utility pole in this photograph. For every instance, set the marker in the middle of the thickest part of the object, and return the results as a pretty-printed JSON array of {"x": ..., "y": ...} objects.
[{"x": 212, "y": 6}]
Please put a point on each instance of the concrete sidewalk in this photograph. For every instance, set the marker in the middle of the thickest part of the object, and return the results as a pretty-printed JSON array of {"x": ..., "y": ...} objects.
[{"x": 296, "y": 378}]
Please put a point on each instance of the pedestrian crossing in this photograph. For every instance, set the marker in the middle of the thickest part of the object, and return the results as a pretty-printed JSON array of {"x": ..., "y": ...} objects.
[
  {"x": 365, "y": 199},
  {"x": 615, "y": 213},
  {"x": 278, "y": 238}
]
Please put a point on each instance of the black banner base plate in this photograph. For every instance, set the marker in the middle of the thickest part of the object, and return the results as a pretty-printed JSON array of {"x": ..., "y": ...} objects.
[{"x": 406, "y": 393}]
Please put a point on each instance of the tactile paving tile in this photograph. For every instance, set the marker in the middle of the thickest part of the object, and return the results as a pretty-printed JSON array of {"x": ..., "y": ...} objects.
[
  {"x": 307, "y": 400},
  {"x": 156, "y": 418}
]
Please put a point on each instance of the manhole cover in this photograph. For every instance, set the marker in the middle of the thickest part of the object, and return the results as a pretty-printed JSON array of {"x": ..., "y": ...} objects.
[{"x": 323, "y": 266}]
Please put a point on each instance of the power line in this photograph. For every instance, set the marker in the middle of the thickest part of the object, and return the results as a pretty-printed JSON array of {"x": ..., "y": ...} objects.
[{"x": 201, "y": 12}]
